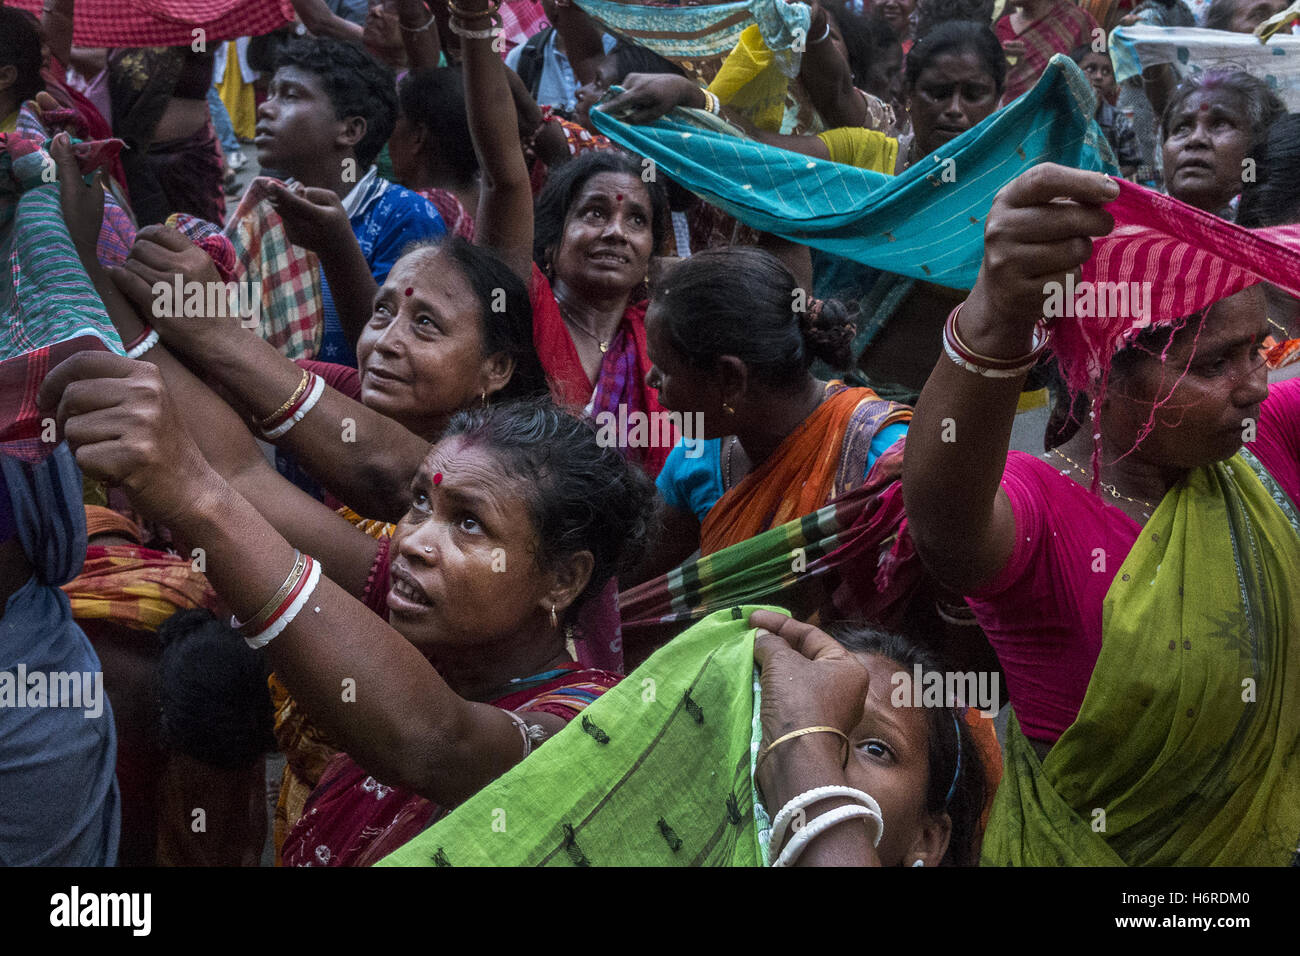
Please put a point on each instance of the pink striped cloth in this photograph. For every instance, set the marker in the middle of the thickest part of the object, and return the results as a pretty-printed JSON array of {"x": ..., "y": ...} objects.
[
  {"x": 1190, "y": 258},
  {"x": 134, "y": 23}
]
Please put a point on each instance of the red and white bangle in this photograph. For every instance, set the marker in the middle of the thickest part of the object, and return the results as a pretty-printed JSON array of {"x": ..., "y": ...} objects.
[
  {"x": 147, "y": 340},
  {"x": 276, "y": 599},
  {"x": 296, "y": 411},
  {"x": 301, "y": 584},
  {"x": 966, "y": 357}
]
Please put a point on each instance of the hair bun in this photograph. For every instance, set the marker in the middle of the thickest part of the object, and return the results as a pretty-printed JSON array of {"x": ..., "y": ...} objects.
[{"x": 828, "y": 331}]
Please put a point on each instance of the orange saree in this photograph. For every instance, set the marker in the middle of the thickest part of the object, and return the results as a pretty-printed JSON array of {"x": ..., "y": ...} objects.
[{"x": 820, "y": 460}]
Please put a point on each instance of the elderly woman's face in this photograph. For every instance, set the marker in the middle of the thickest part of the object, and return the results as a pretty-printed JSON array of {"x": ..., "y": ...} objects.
[
  {"x": 952, "y": 94},
  {"x": 464, "y": 570},
  {"x": 1249, "y": 14},
  {"x": 421, "y": 354},
  {"x": 1206, "y": 413},
  {"x": 1206, "y": 141},
  {"x": 608, "y": 240},
  {"x": 889, "y": 759}
]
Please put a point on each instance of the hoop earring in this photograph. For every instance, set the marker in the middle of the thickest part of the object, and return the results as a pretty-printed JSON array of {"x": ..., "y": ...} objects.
[{"x": 555, "y": 621}]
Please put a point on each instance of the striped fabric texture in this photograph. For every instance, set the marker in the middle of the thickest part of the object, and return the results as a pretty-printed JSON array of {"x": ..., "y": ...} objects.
[
  {"x": 133, "y": 23},
  {"x": 698, "y": 38},
  {"x": 927, "y": 223},
  {"x": 48, "y": 297}
]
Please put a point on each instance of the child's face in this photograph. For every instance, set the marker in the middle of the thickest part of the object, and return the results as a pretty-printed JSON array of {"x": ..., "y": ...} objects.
[
  {"x": 1098, "y": 70},
  {"x": 297, "y": 124}
]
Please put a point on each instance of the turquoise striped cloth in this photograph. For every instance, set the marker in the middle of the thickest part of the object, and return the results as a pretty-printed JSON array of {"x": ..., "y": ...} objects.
[
  {"x": 927, "y": 223},
  {"x": 694, "y": 33},
  {"x": 48, "y": 298}
]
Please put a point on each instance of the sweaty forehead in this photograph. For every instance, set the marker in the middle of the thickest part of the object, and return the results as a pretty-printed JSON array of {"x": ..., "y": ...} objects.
[
  {"x": 471, "y": 467},
  {"x": 428, "y": 271},
  {"x": 298, "y": 77},
  {"x": 610, "y": 186},
  {"x": 1215, "y": 101},
  {"x": 954, "y": 66},
  {"x": 1238, "y": 318}
]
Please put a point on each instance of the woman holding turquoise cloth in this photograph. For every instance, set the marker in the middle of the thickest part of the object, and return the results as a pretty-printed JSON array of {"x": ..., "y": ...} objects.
[{"x": 1138, "y": 580}]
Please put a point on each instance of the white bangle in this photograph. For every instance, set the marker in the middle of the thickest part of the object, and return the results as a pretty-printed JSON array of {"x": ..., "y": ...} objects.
[
  {"x": 148, "y": 342},
  {"x": 454, "y": 26},
  {"x": 285, "y": 619},
  {"x": 402, "y": 26},
  {"x": 806, "y": 834},
  {"x": 308, "y": 403},
  {"x": 815, "y": 795}
]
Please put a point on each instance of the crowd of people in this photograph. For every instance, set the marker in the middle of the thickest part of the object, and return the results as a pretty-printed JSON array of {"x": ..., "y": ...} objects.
[{"x": 675, "y": 391}]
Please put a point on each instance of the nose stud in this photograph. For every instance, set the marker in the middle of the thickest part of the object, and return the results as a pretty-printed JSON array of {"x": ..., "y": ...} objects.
[{"x": 428, "y": 550}]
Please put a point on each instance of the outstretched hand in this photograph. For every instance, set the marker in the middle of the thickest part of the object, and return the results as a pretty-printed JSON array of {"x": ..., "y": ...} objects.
[
  {"x": 159, "y": 255},
  {"x": 313, "y": 218},
  {"x": 648, "y": 96},
  {"x": 123, "y": 429}
]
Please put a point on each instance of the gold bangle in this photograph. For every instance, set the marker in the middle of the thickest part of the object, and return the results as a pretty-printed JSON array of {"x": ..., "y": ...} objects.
[
  {"x": 799, "y": 733},
  {"x": 486, "y": 13},
  {"x": 296, "y": 572},
  {"x": 269, "y": 420}
]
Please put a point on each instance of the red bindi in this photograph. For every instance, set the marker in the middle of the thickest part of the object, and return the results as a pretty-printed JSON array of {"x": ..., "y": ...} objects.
[
  {"x": 410, "y": 291},
  {"x": 1204, "y": 107},
  {"x": 437, "y": 477},
  {"x": 619, "y": 197}
]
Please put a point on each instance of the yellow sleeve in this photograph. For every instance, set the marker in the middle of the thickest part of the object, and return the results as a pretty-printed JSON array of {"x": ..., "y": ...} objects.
[{"x": 863, "y": 148}]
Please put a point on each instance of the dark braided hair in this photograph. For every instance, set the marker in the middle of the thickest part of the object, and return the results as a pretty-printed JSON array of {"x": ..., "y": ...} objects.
[
  {"x": 743, "y": 301},
  {"x": 581, "y": 495}
]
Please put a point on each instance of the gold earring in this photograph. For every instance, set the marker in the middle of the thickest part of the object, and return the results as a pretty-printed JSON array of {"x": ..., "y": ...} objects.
[
  {"x": 555, "y": 621},
  {"x": 728, "y": 409},
  {"x": 483, "y": 398}
]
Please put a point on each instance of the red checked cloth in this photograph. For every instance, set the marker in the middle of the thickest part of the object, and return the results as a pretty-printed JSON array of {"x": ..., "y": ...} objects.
[
  {"x": 130, "y": 23},
  {"x": 292, "y": 317}
]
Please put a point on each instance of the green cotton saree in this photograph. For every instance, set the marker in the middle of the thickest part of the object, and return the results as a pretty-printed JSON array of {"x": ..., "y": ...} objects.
[
  {"x": 1186, "y": 750},
  {"x": 656, "y": 772}
]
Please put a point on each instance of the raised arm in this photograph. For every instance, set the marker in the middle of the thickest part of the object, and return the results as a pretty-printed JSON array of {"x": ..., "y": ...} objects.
[
  {"x": 56, "y": 28},
  {"x": 827, "y": 76},
  {"x": 403, "y": 723},
  {"x": 420, "y": 36},
  {"x": 321, "y": 21},
  {"x": 359, "y": 455},
  {"x": 960, "y": 518},
  {"x": 505, "y": 211},
  {"x": 229, "y": 447},
  {"x": 583, "y": 39}
]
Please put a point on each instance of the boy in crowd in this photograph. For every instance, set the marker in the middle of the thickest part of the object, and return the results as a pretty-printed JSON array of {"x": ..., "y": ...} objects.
[
  {"x": 1117, "y": 126},
  {"x": 331, "y": 108}
]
